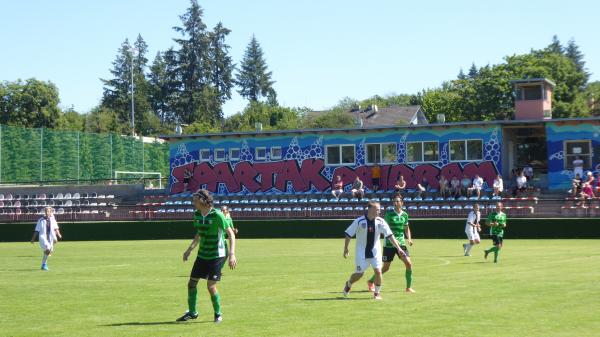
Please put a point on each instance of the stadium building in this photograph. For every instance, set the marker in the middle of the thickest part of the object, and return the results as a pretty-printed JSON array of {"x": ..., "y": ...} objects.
[{"x": 306, "y": 161}]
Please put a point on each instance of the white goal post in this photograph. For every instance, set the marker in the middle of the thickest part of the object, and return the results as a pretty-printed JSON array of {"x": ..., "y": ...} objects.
[{"x": 142, "y": 174}]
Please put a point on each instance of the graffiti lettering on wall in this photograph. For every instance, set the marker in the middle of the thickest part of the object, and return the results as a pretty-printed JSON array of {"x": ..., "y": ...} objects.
[{"x": 308, "y": 175}]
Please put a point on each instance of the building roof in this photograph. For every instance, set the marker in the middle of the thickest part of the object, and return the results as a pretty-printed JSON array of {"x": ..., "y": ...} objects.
[
  {"x": 392, "y": 115},
  {"x": 383, "y": 128},
  {"x": 533, "y": 80}
]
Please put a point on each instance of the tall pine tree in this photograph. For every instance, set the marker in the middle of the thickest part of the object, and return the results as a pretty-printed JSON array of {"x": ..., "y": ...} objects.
[
  {"x": 221, "y": 65},
  {"x": 253, "y": 77}
]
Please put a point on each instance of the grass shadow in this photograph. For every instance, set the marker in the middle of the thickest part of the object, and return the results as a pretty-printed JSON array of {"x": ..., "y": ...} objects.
[
  {"x": 154, "y": 323},
  {"x": 339, "y": 298}
]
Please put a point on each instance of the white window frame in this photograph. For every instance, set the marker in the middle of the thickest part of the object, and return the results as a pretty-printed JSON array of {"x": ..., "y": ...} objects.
[
  {"x": 201, "y": 154},
  {"x": 569, "y": 157},
  {"x": 381, "y": 158},
  {"x": 340, "y": 147},
  {"x": 231, "y": 157},
  {"x": 280, "y": 152},
  {"x": 423, "y": 151},
  {"x": 466, "y": 153},
  {"x": 217, "y": 158},
  {"x": 256, "y": 156}
]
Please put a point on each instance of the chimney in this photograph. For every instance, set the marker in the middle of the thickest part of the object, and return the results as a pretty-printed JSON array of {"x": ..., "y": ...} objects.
[{"x": 533, "y": 98}]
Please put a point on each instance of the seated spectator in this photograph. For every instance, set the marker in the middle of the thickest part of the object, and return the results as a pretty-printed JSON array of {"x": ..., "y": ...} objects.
[
  {"x": 358, "y": 190},
  {"x": 423, "y": 187},
  {"x": 465, "y": 183},
  {"x": 455, "y": 187},
  {"x": 444, "y": 186},
  {"x": 337, "y": 187},
  {"x": 528, "y": 172},
  {"x": 521, "y": 184},
  {"x": 476, "y": 187},
  {"x": 576, "y": 186},
  {"x": 590, "y": 178},
  {"x": 400, "y": 185},
  {"x": 498, "y": 186},
  {"x": 586, "y": 191}
]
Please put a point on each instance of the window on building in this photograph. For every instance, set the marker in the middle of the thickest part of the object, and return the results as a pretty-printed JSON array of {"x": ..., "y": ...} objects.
[
  {"x": 384, "y": 153},
  {"x": 462, "y": 150},
  {"x": 339, "y": 154},
  {"x": 578, "y": 148},
  {"x": 234, "y": 154},
  {"x": 417, "y": 152},
  {"x": 276, "y": 152},
  {"x": 532, "y": 93},
  {"x": 204, "y": 155},
  {"x": 219, "y": 154},
  {"x": 260, "y": 153}
]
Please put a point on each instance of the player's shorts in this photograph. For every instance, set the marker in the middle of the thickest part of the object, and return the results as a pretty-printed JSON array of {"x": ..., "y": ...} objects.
[
  {"x": 363, "y": 264},
  {"x": 472, "y": 234},
  {"x": 375, "y": 181},
  {"x": 497, "y": 240},
  {"x": 390, "y": 252},
  {"x": 208, "y": 269},
  {"x": 46, "y": 245}
]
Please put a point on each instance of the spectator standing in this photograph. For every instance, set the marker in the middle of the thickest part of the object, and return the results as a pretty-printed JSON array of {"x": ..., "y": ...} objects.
[
  {"x": 444, "y": 190},
  {"x": 375, "y": 176},
  {"x": 578, "y": 166}
]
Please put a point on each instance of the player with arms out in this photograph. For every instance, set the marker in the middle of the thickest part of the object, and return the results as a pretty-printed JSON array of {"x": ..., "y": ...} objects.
[
  {"x": 496, "y": 220},
  {"x": 211, "y": 227},
  {"x": 472, "y": 230},
  {"x": 397, "y": 219},
  {"x": 368, "y": 229}
]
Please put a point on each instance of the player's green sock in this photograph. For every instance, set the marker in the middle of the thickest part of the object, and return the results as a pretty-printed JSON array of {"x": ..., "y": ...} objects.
[
  {"x": 372, "y": 279},
  {"x": 408, "y": 275},
  {"x": 496, "y": 252},
  {"x": 216, "y": 302},
  {"x": 192, "y": 299}
]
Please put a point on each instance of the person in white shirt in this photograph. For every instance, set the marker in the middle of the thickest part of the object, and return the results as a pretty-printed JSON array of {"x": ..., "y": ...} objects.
[
  {"x": 498, "y": 185},
  {"x": 472, "y": 230},
  {"x": 477, "y": 186},
  {"x": 48, "y": 233},
  {"x": 521, "y": 184},
  {"x": 578, "y": 166},
  {"x": 368, "y": 229}
]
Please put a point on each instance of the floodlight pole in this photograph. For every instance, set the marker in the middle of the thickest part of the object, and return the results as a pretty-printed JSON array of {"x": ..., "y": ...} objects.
[{"x": 132, "y": 94}]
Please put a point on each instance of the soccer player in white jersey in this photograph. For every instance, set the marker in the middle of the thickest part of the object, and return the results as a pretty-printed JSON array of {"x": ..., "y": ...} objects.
[
  {"x": 48, "y": 232},
  {"x": 368, "y": 229},
  {"x": 472, "y": 230}
]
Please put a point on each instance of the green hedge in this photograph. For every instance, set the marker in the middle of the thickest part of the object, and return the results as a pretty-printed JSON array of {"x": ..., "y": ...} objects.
[{"x": 421, "y": 228}]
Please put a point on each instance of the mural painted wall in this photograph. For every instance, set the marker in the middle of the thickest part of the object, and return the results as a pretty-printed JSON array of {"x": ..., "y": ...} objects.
[
  {"x": 560, "y": 157},
  {"x": 302, "y": 166}
]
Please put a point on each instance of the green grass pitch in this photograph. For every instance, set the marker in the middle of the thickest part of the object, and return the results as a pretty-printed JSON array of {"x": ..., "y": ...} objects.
[{"x": 293, "y": 288}]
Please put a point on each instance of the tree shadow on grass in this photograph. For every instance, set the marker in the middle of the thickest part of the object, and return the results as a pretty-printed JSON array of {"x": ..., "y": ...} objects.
[{"x": 155, "y": 323}]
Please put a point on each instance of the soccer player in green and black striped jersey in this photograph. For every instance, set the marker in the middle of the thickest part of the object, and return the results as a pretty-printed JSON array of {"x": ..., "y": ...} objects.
[
  {"x": 497, "y": 222},
  {"x": 397, "y": 219},
  {"x": 211, "y": 227}
]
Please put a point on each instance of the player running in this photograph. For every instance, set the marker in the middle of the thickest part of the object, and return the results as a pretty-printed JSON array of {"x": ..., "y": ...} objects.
[
  {"x": 472, "y": 230},
  {"x": 397, "y": 219},
  {"x": 368, "y": 229},
  {"x": 497, "y": 223}
]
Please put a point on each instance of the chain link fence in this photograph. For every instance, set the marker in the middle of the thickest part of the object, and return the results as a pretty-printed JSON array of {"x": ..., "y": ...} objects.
[{"x": 44, "y": 156}]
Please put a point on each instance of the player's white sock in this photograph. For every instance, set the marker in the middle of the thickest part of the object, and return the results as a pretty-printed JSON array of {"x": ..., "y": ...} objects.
[
  {"x": 377, "y": 289},
  {"x": 44, "y": 259},
  {"x": 468, "y": 250}
]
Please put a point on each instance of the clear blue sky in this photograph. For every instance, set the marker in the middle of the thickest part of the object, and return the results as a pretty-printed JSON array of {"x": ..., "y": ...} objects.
[{"x": 319, "y": 50}]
